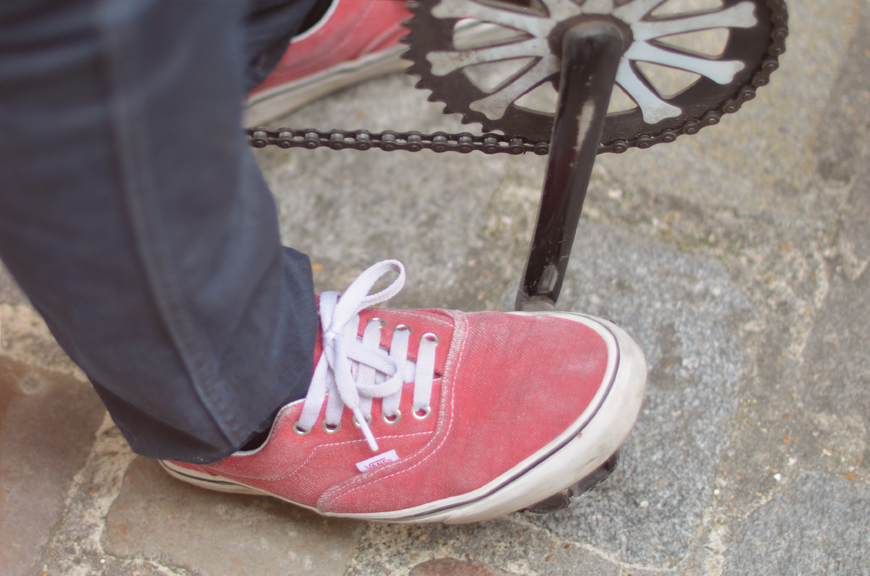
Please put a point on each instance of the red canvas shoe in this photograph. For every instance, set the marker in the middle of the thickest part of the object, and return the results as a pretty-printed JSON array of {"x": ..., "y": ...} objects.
[
  {"x": 353, "y": 41},
  {"x": 433, "y": 415}
]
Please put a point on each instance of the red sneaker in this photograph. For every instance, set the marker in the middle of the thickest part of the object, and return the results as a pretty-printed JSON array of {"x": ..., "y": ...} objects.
[
  {"x": 433, "y": 415},
  {"x": 353, "y": 41}
]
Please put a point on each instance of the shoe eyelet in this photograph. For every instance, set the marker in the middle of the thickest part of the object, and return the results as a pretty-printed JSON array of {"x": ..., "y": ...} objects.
[
  {"x": 429, "y": 337},
  {"x": 402, "y": 328},
  {"x": 368, "y": 421},
  {"x": 395, "y": 418},
  {"x": 330, "y": 428},
  {"x": 300, "y": 430},
  {"x": 425, "y": 413},
  {"x": 378, "y": 320}
]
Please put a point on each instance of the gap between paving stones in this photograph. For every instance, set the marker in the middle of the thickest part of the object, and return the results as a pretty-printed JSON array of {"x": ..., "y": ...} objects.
[{"x": 79, "y": 538}]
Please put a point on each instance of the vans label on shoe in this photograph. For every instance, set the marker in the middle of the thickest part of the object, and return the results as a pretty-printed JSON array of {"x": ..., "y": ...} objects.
[{"x": 378, "y": 461}]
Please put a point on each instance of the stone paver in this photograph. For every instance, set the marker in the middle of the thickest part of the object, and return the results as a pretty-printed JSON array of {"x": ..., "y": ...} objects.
[
  {"x": 835, "y": 379},
  {"x": 818, "y": 526},
  {"x": 509, "y": 546},
  {"x": 211, "y": 534},
  {"x": 439, "y": 214},
  {"x": 47, "y": 425},
  {"x": 687, "y": 315}
]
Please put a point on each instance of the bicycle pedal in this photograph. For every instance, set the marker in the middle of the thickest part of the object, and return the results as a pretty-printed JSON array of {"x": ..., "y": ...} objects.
[{"x": 572, "y": 493}]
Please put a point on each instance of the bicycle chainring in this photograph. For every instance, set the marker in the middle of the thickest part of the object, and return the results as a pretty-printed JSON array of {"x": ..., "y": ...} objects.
[{"x": 688, "y": 62}]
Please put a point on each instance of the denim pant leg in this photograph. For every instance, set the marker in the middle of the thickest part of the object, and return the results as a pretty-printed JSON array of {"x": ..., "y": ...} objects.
[{"x": 133, "y": 216}]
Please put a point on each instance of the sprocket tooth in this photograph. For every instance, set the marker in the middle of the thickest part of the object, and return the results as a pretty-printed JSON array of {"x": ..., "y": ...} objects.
[
  {"x": 448, "y": 110},
  {"x": 483, "y": 125},
  {"x": 432, "y": 98}
]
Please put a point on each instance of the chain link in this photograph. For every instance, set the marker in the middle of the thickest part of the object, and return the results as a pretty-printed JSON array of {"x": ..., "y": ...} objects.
[{"x": 389, "y": 141}]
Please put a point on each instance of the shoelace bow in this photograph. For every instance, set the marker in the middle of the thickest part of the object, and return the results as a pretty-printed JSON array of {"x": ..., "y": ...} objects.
[{"x": 353, "y": 371}]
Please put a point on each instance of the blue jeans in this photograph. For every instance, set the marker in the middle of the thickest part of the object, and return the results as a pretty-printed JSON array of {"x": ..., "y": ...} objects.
[{"x": 135, "y": 219}]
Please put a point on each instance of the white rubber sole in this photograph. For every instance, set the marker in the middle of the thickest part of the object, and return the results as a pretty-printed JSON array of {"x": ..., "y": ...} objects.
[{"x": 571, "y": 457}]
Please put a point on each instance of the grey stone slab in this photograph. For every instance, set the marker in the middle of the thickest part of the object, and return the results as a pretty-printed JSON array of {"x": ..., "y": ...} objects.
[
  {"x": 215, "y": 534},
  {"x": 842, "y": 150},
  {"x": 835, "y": 375},
  {"x": 47, "y": 425},
  {"x": 834, "y": 380},
  {"x": 389, "y": 206},
  {"x": 841, "y": 143},
  {"x": 686, "y": 314},
  {"x": 836, "y": 372},
  {"x": 75, "y": 548},
  {"x": 818, "y": 526},
  {"x": 508, "y": 546},
  {"x": 854, "y": 242},
  {"x": 803, "y": 408},
  {"x": 459, "y": 223}
]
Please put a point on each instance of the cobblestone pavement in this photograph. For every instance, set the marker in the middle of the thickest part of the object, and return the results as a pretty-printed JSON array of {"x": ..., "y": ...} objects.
[{"x": 737, "y": 258}]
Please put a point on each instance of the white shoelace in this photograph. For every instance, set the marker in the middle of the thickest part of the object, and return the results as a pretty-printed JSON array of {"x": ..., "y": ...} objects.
[{"x": 353, "y": 371}]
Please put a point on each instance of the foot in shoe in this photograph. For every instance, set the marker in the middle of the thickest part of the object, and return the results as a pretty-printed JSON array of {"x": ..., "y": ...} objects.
[
  {"x": 436, "y": 415},
  {"x": 353, "y": 41}
]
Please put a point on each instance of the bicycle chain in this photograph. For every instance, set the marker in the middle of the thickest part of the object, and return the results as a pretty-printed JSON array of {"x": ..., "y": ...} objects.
[{"x": 490, "y": 143}]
